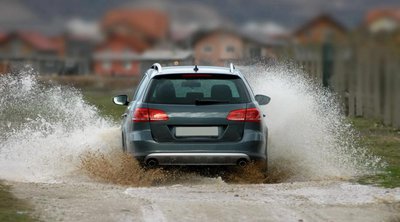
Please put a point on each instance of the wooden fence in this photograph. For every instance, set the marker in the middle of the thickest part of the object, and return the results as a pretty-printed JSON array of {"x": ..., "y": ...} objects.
[{"x": 364, "y": 73}]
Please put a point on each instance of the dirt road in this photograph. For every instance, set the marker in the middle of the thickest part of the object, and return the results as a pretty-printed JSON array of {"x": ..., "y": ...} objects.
[
  {"x": 212, "y": 200},
  {"x": 309, "y": 137}
]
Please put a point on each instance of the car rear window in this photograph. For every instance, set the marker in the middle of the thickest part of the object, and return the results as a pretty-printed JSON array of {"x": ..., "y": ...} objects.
[{"x": 197, "y": 89}]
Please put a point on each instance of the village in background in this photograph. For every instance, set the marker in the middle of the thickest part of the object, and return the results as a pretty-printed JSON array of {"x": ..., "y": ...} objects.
[{"x": 361, "y": 63}]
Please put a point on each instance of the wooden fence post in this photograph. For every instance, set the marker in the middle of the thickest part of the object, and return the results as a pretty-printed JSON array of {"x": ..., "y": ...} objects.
[
  {"x": 388, "y": 92},
  {"x": 359, "y": 84},
  {"x": 396, "y": 91}
]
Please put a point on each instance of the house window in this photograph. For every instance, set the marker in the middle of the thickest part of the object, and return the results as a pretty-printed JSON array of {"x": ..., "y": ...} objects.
[
  {"x": 207, "y": 48},
  {"x": 230, "y": 48},
  {"x": 127, "y": 65},
  {"x": 106, "y": 65}
]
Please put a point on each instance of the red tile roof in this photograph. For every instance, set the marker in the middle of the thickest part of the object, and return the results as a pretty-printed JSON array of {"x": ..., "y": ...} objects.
[
  {"x": 60, "y": 43},
  {"x": 315, "y": 20},
  {"x": 153, "y": 24},
  {"x": 121, "y": 43},
  {"x": 375, "y": 14},
  {"x": 38, "y": 41}
]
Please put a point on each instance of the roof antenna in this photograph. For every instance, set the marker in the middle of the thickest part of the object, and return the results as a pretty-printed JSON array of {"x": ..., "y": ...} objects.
[{"x": 196, "y": 68}]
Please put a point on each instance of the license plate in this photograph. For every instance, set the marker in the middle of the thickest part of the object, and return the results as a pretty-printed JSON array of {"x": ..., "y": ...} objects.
[{"x": 196, "y": 131}]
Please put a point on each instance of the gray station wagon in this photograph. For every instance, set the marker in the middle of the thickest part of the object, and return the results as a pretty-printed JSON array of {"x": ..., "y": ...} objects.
[{"x": 194, "y": 115}]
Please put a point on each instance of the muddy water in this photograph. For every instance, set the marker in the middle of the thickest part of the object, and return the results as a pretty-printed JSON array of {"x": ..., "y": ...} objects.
[
  {"x": 119, "y": 168},
  {"x": 49, "y": 133}
]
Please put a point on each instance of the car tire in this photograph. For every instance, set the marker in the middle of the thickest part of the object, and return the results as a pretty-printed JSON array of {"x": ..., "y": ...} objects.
[
  {"x": 123, "y": 143},
  {"x": 267, "y": 146}
]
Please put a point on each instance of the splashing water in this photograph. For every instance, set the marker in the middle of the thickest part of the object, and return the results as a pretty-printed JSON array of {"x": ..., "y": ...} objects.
[
  {"x": 309, "y": 136},
  {"x": 45, "y": 131}
]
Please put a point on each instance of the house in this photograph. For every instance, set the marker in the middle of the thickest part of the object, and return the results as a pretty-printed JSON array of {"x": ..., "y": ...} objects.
[
  {"x": 111, "y": 63},
  {"x": 313, "y": 47},
  {"x": 166, "y": 57},
  {"x": 127, "y": 34},
  {"x": 221, "y": 46},
  {"x": 216, "y": 47},
  {"x": 382, "y": 20},
  {"x": 138, "y": 63},
  {"x": 27, "y": 47},
  {"x": 145, "y": 24},
  {"x": 320, "y": 29}
]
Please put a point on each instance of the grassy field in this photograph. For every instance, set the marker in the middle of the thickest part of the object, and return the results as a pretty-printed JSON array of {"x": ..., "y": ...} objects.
[
  {"x": 384, "y": 142},
  {"x": 12, "y": 209},
  {"x": 103, "y": 101}
]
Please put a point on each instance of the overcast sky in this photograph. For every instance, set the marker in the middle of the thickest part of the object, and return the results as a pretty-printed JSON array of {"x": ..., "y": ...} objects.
[{"x": 51, "y": 14}]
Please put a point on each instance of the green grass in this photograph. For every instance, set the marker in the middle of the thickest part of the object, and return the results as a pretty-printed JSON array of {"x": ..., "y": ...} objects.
[
  {"x": 12, "y": 209},
  {"x": 103, "y": 101},
  {"x": 382, "y": 141}
]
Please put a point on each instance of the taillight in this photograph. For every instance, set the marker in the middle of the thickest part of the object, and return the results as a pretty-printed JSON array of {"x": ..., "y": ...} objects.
[
  {"x": 253, "y": 115},
  {"x": 157, "y": 115},
  {"x": 245, "y": 115},
  {"x": 237, "y": 115},
  {"x": 147, "y": 115}
]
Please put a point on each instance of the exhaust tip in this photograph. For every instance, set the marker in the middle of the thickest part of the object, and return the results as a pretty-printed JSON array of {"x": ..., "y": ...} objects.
[
  {"x": 151, "y": 162},
  {"x": 242, "y": 162}
]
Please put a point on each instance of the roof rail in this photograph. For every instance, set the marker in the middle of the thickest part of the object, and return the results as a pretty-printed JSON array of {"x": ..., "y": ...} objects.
[
  {"x": 232, "y": 67},
  {"x": 156, "y": 66}
]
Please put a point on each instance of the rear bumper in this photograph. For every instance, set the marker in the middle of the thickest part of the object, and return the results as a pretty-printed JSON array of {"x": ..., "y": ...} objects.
[
  {"x": 252, "y": 147},
  {"x": 197, "y": 158}
]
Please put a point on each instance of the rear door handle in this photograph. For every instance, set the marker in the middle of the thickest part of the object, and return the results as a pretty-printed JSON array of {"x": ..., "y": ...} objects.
[{"x": 124, "y": 115}]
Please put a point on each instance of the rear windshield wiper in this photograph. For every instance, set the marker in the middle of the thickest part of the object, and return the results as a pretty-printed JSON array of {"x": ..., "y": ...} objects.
[{"x": 209, "y": 102}]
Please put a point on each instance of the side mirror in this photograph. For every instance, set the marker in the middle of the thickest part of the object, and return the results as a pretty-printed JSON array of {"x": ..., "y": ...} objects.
[
  {"x": 121, "y": 100},
  {"x": 262, "y": 99}
]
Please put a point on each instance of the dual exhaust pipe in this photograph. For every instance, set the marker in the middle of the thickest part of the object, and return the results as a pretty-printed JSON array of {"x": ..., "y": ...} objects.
[{"x": 242, "y": 162}]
